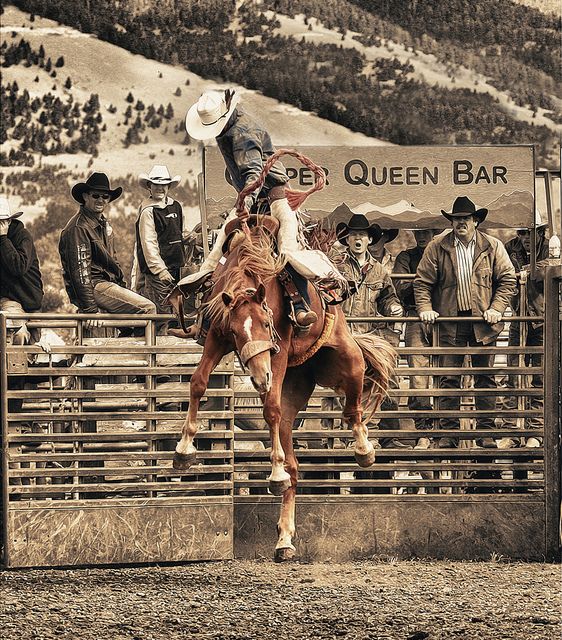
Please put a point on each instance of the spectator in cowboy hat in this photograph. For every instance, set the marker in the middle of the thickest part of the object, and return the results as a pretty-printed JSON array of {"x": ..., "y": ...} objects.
[
  {"x": 93, "y": 278},
  {"x": 246, "y": 146},
  {"x": 161, "y": 235},
  {"x": 519, "y": 251},
  {"x": 417, "y": 334},
  {"x": 380, "y": 253},
  {"x": 465, "y": 273},
  {"x": 21, "y": 287},
  {"x": 373, "y": 292}
]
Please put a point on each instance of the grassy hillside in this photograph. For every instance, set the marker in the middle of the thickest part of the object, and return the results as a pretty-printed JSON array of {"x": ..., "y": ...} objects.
[{"x": 241, "y": 43}]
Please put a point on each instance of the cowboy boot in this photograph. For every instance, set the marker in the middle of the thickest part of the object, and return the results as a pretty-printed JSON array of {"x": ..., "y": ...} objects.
[{"x": 211, "y": 261}]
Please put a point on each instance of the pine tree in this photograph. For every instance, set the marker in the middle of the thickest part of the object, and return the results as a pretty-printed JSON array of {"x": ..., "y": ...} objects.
[
  {"x": 68, "y": 83},
  {"x": 130, "y": 98},
  {"x": 59, "y": 62}
]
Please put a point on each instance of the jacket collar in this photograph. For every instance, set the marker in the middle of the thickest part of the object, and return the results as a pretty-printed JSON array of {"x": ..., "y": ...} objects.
[
  {"x": 482, "y": 243},
  {"x": 90, "y": 219}
]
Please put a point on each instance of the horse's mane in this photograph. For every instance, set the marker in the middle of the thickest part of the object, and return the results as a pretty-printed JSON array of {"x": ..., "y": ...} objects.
[{"x": 254, "y": 260}]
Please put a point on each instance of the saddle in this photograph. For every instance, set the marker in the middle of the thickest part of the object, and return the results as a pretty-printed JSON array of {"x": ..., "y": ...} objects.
[{"x": 234, "y": 236}]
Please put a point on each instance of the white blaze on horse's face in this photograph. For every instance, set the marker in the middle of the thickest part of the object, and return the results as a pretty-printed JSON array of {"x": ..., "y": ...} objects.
[{"x": 248, "y": 327}]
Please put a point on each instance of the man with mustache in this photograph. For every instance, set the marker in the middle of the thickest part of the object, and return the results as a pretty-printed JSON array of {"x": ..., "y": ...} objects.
[{"x": 468, "y": 274}]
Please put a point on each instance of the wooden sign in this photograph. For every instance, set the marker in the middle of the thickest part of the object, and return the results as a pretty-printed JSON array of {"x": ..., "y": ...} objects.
[{"x": 402, "y": 187}]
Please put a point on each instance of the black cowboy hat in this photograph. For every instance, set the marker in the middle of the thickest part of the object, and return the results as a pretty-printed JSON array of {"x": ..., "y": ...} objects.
[
  {"x": 358, "y": 222},
  {"x": 464, "y": 206},
  {"x": 97, "y": 181},
  {"x": 390, "y": 234}
]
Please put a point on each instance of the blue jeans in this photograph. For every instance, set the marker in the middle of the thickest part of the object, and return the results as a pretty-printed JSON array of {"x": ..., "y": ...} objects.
[
  {"x": 112, "y": 298},
  {"x": 418, "y": 335},
  {"x": 465, "y": 337}
]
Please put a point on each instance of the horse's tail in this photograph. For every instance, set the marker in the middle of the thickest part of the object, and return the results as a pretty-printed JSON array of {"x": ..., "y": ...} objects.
[{"x": 380, "y": 360}]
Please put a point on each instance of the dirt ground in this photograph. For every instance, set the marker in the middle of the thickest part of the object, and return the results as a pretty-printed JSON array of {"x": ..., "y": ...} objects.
[{"x": 231, "y": 600}]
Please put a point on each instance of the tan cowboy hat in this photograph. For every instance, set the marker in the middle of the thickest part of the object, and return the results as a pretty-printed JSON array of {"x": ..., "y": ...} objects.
[
  {"x": 209, "y": 115},
  {"x": 463, "y": 207},
  {"x": 5, "y": 210},
  {"x": 159, "y": 174},
  {"x": 98, "y": 182}
]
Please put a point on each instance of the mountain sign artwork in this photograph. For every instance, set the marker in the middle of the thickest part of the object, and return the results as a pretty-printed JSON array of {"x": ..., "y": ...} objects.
[{"x": 402, "y": 187}]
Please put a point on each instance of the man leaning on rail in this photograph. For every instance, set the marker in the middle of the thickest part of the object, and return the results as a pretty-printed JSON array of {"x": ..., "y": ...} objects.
[
  {"x": 93, "y": 278},
  {"x": 467, "y": 274}
]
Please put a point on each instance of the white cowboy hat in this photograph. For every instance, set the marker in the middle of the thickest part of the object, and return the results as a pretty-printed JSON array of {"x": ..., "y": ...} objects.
[
  {"x": 6, "y": 212},
  {"x": 208, "y": 116},
  {"x": 159, "y": 174}
]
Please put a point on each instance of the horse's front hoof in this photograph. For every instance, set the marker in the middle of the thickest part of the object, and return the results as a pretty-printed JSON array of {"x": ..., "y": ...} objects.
[
  {"x": 278, "y": 487},
  {"x": 183, "y": 461},
  {"x": 286, "y": 554},
  {"x": 365, "y": 459}
]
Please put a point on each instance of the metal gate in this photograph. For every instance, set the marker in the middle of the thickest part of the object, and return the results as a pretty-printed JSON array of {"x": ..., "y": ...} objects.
[{"x": 88, "y": 433}]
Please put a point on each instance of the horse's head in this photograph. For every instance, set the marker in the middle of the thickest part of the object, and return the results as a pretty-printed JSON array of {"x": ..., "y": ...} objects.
[{"x": 251, "y": 324}]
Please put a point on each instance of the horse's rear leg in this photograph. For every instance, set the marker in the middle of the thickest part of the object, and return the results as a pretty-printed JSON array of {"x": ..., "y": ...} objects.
[
  {"x": 297, "y": 390},
  {"x": 186, "y": 453},
  {"x": 353, "y": 414}
]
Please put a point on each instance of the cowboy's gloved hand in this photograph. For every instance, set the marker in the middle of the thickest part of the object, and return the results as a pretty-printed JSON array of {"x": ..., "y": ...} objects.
[
  {"x": 166, "y": 276},
  {"x": 492, "y": 316},
  {"x": 4, "y": 224},
  {"x": 429, "y": 316}
]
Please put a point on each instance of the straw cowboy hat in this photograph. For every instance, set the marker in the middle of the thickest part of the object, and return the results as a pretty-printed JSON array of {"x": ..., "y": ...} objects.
[
  {"x": 5, "y": 210},
  {"x": 464, "y": 206},
  {"x": 97, "y": 181},
  {"x": 358, "y": 222},
  {"x": 159, "y": 174},
  {"x": 209, "y": 115}
]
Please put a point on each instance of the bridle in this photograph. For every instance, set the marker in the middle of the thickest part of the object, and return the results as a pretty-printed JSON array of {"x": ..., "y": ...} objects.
[{"x": 252, "y": 348}]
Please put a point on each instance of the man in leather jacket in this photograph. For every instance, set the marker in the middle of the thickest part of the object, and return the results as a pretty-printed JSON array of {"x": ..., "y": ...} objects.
[{"x": 92, "y": 275}]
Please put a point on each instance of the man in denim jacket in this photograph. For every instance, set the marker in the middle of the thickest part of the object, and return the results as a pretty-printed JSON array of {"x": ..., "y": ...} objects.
[{"x": 246, "y": 146}]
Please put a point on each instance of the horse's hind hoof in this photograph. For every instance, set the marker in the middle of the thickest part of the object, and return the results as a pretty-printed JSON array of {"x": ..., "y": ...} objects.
[
  {"x": 366, "y": 459},
  {"x": 278, "y": 487},
  {"x": 284, "y": 555},
  {"x": 183, "y": 461}
]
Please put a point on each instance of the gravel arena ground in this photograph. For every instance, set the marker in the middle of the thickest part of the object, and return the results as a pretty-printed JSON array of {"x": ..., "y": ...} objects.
[{"x": 376, "y": 600}]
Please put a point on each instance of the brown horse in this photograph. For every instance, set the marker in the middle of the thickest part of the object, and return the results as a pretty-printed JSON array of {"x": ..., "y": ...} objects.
[{"x": 247, "y": 313}]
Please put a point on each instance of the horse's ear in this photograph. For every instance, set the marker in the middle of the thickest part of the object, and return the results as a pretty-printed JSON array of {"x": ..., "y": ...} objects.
[
  {"x": 227, "y": 298},
  {"x": 259, "y": 295}
]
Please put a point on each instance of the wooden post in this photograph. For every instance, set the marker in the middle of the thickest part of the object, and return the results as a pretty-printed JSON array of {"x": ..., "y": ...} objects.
[
  {"x": 4, "y": 437},
  {"x": 552, "y": 409}
]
